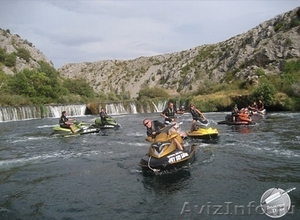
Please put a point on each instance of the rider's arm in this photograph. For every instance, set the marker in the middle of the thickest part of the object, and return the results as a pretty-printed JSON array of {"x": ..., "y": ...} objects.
[
  {"x": 200, "y": 113},
  {"x": 163, "y": 115}
]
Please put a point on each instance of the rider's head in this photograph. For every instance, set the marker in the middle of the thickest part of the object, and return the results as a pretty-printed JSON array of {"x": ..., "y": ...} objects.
[{"x": 147, "y": 123}]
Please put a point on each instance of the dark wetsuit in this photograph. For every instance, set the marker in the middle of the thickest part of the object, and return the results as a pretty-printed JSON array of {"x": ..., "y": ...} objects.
[
  {"x": 197, "y": 117},
  {"x": 103, "y": 117},
  {"x": 170, "y": 113},
  {"x": 156, "y": 126},
  {"x": 62, "y": 122}
]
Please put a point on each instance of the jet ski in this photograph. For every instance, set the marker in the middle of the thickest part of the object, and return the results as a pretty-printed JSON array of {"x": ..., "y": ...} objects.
[
  {"x": 244, "y": 118},
  {"x": 258, "y": 113},
  {"x": 110, "y": 123},
  {"x": 164, "y": 155},
  {"x": 203, "y": 131},
  {"x": 80, "y": 129}
]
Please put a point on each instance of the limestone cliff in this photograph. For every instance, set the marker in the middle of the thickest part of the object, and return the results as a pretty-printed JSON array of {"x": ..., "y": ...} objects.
[
  {"x": 11, "y": 44},
  {"x": 261, "y": 50},
  {"x": 264, "y": 47}
]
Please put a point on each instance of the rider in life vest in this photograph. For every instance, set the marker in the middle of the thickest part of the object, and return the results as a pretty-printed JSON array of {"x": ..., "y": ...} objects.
[
  {"x": 197, "y": 116},
  {"x": 169, "y": 113}
]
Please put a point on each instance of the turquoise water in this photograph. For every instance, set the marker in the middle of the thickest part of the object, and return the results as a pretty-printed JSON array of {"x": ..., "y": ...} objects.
[{"x": 96, "y": 176}]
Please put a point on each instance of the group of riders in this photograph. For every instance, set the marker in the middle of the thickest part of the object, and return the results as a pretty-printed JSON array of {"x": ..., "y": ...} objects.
[
  {"x": 65, "y": 122},
  {"x": 169, "y": 115},
  {"x": 245, "y": 113},
  {"x": 154, "y": 127}
]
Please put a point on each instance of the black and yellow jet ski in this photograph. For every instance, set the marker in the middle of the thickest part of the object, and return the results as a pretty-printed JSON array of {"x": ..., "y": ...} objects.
[
  {"x": 164, "y": 155},
  {"x": 110, "y": 123},
  {"x": 80, "y": 129}
]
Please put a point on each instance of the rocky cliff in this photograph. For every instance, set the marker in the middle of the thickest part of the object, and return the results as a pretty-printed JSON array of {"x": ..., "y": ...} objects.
[
  {"x": 261, "y": 50},
  {"x": 10, "y": 44}
]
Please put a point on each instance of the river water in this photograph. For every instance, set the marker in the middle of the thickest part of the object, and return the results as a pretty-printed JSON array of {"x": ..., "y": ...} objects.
[{"x": 96, "y": 176}]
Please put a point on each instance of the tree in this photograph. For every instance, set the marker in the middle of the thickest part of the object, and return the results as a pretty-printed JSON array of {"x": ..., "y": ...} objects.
[
  {"x": 32, "y": 84},
  {"x": 264, "y": 92},
  {"x": 79, "y": 86}
]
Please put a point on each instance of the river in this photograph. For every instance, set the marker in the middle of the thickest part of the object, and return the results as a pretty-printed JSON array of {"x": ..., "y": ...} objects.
[{"x": 96, "y": 176}]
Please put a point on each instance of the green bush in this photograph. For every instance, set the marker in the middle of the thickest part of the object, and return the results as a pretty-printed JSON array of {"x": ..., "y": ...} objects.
[
  {"x": 283, "y": 102},
  {"x": 155, "y": 92},
  {"x": 79, "y": 86},
  {"x": 24, "y": 54},
  {"x": 33, "y": 84},
  {"x": 265, "y": 92},
  {"x": 10, "y": 60},
  {"x": 2, "y": 55},
  {"x": 14, "y": 100}
]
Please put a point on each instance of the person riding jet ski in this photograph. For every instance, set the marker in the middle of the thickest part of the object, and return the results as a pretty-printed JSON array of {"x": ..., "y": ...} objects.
[
  {"x": 65, "y": 122},
  {"x": 197, "y": 116},
  {"x": 166, "y": 151},
  {"x": 153, "y": 128},
  {"x": 169, "y": 113}
]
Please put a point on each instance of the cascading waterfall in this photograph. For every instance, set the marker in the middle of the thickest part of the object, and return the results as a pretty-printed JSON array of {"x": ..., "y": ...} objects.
[
  {"x": 72, "y": 110},
  {"x": 33, "y": 112},
  {"x": 115, "y": 109},
  {"x": 155, "y": 107},
  {"x": 54, "y": 111},
  {"x": 161, "y": 106},
  {"x": 132, "y": 107},
  {"x": 19, "y": 113},
  {"x": 119, "y": 108}
]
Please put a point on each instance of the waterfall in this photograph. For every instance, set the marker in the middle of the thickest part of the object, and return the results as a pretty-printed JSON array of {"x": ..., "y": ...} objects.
[
  {"x": 161, "y": 106},
  {"x": 119, "y": 108},
  {"x": 155, "y": 107},
  {"x": 132, "y": 108},
  {"x": 72, "y": 110},
  {"x": 13, "y": 113},
  {"x": 115, "y": 109},
  {"x": 18, "y": 113}
]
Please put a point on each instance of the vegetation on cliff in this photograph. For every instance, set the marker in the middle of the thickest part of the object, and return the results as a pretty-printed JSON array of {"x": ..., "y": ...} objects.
[{"x": 263, "y": 63}]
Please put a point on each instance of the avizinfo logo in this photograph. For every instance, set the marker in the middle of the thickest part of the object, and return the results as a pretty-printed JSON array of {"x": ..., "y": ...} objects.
[{"x": 276, "y": 202}]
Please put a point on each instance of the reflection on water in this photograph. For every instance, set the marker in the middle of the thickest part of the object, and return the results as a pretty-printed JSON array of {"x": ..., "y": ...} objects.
[
  {"x": 244, "y": 129},
  {"x": 166, "y": 182}
]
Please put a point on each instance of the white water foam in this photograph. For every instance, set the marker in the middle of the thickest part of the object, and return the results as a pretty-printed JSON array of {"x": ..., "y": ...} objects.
[{"x": 54, "y": 155}]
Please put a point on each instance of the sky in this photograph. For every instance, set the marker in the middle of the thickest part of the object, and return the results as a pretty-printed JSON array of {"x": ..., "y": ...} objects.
[{"x": 75, "y": 31}]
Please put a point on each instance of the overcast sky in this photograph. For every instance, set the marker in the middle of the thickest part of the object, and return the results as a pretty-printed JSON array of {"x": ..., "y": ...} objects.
[{"x": 72, "y": 31}]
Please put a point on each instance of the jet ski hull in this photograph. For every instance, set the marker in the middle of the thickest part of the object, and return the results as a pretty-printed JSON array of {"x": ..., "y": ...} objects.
[
  {"x": 204, "y": 133},
  {"x": 80, "y": 129},
  {"x": 236, "y": 123},
  {"x": 174, "y": 160},
  {"x": 110, "y": 124},
  {"x": 243, "y": 119}
]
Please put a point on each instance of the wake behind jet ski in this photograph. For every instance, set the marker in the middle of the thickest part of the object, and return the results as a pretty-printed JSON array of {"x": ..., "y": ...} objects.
[{"x": 163, "y": 153}]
